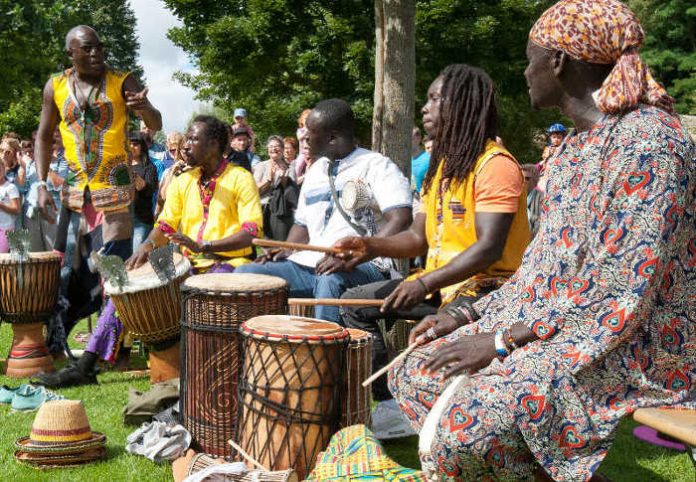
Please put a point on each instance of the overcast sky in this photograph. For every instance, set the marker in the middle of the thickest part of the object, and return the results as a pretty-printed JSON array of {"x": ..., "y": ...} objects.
[{"x": 160, "y": 58}]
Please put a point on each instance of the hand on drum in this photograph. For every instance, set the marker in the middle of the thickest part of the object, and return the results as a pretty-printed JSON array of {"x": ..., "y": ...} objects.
[
  {"x": 355, "y": 251},
  {"x": 139, "y": 258},
  {"x": 432, "y": 327},
  {"x": 467, "y": 354},
  {"x": 331, "y": 264},
  {"x": 406, "y": 295},
  {"x": 183, "y": 240}
]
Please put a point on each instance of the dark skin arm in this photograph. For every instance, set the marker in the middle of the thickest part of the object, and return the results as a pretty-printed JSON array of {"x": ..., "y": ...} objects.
[
  {"x": 297, "y": 234},
  {"x": 491, "y": 232},
  {"x": 472, "y": 353},
  {"x": 136, "y": 100},
  {"x": 157, "y": 238},
  {"x": 12, "y": 207},
  {"x": 42, "y": 150},
  {"x": 397, "y": 221}
]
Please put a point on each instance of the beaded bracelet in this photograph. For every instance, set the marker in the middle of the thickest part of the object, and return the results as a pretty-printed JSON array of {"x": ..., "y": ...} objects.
[
  {"x": 500, "y": 349},
  {"x": 510, "y": 341}
]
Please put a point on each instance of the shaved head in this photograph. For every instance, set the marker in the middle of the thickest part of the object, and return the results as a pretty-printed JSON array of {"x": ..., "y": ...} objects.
[{"x": 79, "y": 31}]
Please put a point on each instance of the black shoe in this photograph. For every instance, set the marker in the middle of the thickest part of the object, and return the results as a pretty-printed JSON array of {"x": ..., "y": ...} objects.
[{"x": 70, "y": 376}]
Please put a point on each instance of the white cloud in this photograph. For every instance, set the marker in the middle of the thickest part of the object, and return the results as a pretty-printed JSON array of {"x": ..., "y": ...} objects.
[{"x": 160, "y": 58}]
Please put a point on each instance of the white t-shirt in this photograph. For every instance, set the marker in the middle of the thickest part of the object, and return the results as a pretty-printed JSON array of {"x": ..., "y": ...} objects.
[
  {"x": 8, "y": 191},
  {"x": 388, "y": 189}
]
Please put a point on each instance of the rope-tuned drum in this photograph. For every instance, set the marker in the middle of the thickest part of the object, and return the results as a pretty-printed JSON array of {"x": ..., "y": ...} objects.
[
  {"x": 357, "y": 399},
  {"x": 214, "y": 307},
  {"x": 150, "y": 310},
  {"x": 290, "y": 389},
  {"x": 28, "y": 294}
]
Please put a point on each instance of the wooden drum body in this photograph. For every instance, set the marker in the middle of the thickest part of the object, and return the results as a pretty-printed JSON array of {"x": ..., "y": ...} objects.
[
  {"x": 215, "y": 306},
  {"x": 150, "y": 310},
  {"x": 28, "y": 294},
  {"x": 357, "y": 402},
  {"x": 290, "y": 390}
]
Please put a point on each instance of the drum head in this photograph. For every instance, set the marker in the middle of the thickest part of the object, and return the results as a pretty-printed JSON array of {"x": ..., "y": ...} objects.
[
  {"x": 358, "y": 335},
  {"x": 293, "y": 329},
  {"x": 6, "y": 258},
  {"x": 144, "y": 277},
  {"x": 234, "y": 282}
]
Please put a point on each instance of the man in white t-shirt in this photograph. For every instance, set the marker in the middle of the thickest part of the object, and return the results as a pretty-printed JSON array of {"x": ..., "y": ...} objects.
[{"x": 383, "y": 209}]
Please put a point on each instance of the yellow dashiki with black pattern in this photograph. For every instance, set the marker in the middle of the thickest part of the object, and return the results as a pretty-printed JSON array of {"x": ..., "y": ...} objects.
[{"x": 95, "y": 142}]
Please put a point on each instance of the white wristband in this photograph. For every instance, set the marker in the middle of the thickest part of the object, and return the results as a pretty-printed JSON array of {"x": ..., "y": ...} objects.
[{"x": 41, "y": 183}]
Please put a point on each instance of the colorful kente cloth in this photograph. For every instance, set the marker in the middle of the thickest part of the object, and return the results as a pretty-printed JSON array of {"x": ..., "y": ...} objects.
[
  {"x": 603, "y": 32},
  {"x": 355, "y": 454},
  {"x": 608, "y": 285}
]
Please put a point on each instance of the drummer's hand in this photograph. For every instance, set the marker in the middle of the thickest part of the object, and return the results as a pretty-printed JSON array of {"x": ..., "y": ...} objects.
[
  {"x": 467, "y": 354},
  {"x": 273, "y": 255},
  {"x": 331, "y": 264},
  {"x": 442, "y": 324},
  {"x": 406, "y": 295},
  {"x": 139, "y": 258},
  {"x": 354, "y": 249},
  {"x": 183, "y": 240}
]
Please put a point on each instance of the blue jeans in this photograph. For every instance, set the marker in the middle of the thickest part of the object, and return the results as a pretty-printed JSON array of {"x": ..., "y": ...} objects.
[
  {"x": 304, "y": 283},
  {"x": 140, "y": 233}
]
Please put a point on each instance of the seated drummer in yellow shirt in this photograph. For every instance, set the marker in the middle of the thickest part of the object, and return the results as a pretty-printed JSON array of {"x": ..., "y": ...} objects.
[
  {"x": 212, "y": 211},
  {"x": 472, "y": 224}
]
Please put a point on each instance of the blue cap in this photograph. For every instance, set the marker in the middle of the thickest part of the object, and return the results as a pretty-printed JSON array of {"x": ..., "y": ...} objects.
[
  {"x": 240, "y": 113},
  {"x": 558, "y": 127}
]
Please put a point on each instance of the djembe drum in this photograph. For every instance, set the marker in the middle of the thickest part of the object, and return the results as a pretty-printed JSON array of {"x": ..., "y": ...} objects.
[
  {"x": 290, "y": 390},
  {"x": 150, "y": 310},
  {"x": 28, "y": 294},
  {"x": 356, "y": 404},
  {"x": 215, "y": 306}
]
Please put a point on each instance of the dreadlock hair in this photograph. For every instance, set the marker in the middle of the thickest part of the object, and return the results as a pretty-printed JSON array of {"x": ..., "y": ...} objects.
[{"x": 468, "y": 118}]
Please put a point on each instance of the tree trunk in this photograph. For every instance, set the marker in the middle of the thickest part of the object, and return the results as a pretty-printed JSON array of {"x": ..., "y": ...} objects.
[{"x": 395, "y": 79}]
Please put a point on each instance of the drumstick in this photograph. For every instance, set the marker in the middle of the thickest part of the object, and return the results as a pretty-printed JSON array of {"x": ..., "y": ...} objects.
[
  {"x": 248, "y": 457},
  {"x": 384, "y": 370},
  {"x": 269, "y": 243},
  {"x": 333, "y": 302}
]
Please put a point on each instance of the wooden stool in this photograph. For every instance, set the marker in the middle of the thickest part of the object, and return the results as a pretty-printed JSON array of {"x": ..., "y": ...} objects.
[{"x": 678, "y": 424}]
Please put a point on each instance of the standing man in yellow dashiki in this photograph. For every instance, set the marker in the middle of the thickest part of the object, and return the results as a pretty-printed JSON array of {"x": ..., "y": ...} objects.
[{"x": 90, "y": 104}]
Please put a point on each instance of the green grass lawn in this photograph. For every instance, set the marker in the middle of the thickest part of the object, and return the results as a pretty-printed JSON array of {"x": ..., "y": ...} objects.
[{"x": 629, "y": 459}]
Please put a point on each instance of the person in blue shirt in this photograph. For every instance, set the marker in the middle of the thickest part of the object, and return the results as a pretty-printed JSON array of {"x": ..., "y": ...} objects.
[{"x": 420, "y": 161}]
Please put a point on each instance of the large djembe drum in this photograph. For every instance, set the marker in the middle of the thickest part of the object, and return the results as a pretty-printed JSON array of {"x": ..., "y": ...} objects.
[
  {"x": 28, "y": 293},
  {"x": 357, "y": 399},
  {"x": 215, "y": 306},
  {"x": 290, "y": 390},
  {"x": 150, "y": 309}
]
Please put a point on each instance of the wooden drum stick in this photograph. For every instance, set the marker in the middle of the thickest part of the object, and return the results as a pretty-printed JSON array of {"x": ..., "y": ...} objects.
[
  {"x": 333, "y": 302},
  {"x": 246, "y": 456},
  {"x": 384, "y": 370},
  {"x": 269, "y": 243}
]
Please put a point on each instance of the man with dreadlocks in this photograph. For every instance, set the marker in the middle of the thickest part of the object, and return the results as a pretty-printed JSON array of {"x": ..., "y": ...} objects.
[
  {"x": 472, "y": 225},
  {"x": 599, "y": 319}
]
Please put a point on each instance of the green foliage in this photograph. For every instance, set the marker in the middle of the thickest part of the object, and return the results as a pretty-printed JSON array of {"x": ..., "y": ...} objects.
[
  {"x": 32, "y": 46},
  {"x": 670, "y": 46},
  {"x": 276, "y": 58}
]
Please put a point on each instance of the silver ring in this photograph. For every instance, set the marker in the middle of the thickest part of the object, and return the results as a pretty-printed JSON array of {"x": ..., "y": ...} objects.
[{"x": 431, "y": 333}]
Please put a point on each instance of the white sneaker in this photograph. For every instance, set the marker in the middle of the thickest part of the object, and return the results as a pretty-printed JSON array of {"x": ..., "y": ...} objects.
[{"x": 389, "y": 422}]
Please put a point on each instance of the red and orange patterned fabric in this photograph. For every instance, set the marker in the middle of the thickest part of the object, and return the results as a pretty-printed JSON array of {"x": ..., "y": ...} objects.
[{"x": 603, "y": 32}]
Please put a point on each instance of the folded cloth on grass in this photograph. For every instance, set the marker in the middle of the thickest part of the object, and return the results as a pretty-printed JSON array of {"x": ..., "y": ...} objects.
[{"x": 159, "y": 441}]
